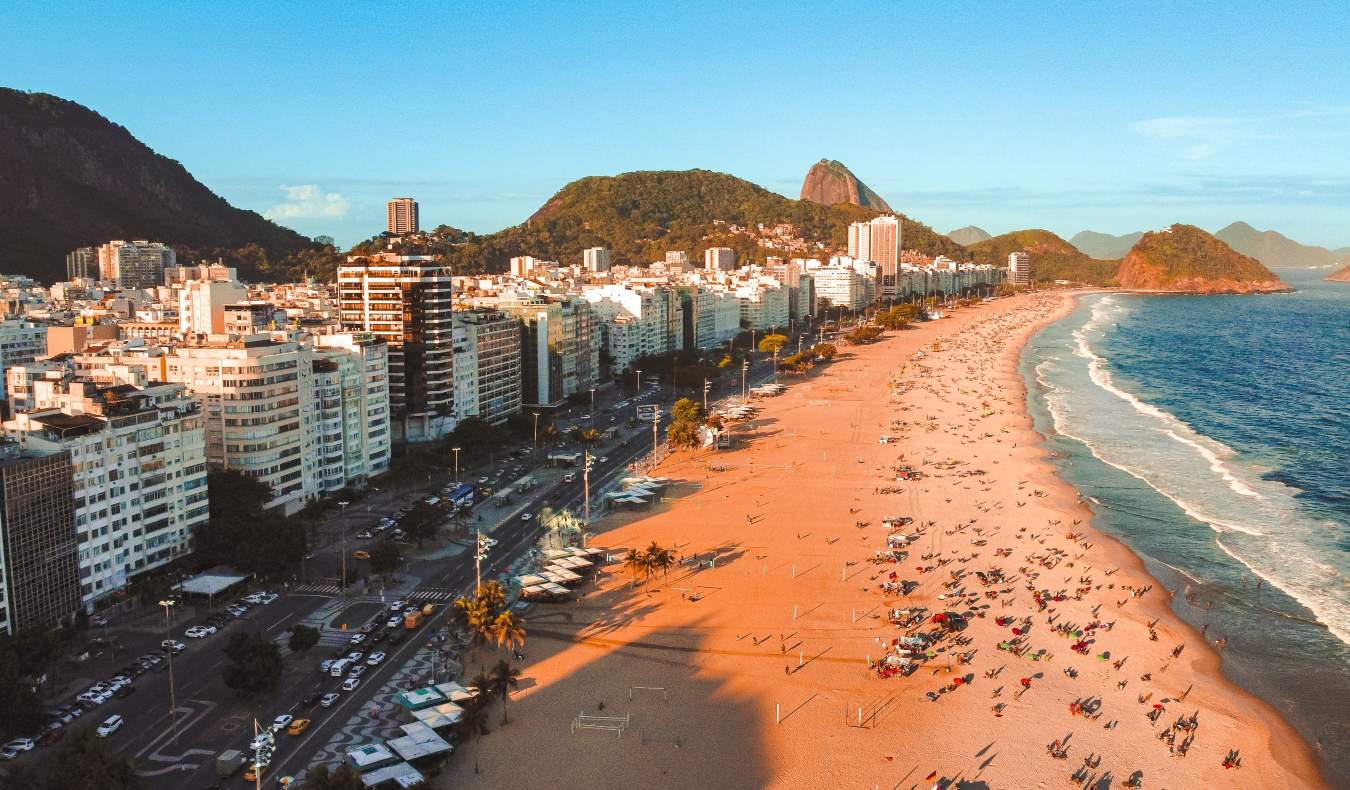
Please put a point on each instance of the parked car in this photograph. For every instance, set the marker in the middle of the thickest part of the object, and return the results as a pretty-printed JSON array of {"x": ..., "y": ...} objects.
[
  {"x": 21, "y": 745},
  {"x": 357, "y": 639},
  {"x": 282, "y": 722},
  {"x": 328, "y": 700},
  {"x": 356, "y": 671},
  {"x": 375, "y": 659},
  {"x": 326, "y": 665},
  {"x": 197, "y": 632},
  {"x": 109, "y": 726},
  {"x": 350, "y": 684},
  {"x": 298, "y": 726},
  {"x": 8, "y": 754},
  {"x": 98, "y": 621},
  {"x": 172, "y": 646},
  {"x": 268, "y": 598}
]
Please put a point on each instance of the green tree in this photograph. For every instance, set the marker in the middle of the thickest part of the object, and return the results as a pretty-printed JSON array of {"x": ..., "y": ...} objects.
[
  {"x": 385, "y": 558},
  {"x": 660, "y": 558},
  {"x": 254, "y": 662},
  {"x": 22, "y": 711},
  {"x": 505, "y": 678},
  {"x": 422, "y": 521},
  {"x": 772, "y": 344},
  {"x": 508, "y": 630},
  {"x": 686, "y": 409},
  {"x": 241, "y": 534},
  {"x": 86, "y": 762},
  {"x": 302, "y": 639},
  {"x": 825, "y": 351},
  {"x": 683, "y": 433}
]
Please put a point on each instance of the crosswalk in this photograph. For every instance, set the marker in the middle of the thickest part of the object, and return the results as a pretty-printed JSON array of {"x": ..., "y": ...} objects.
[
  {"x": 425, "y": 594},
  {"x": 326, "y": 589}
]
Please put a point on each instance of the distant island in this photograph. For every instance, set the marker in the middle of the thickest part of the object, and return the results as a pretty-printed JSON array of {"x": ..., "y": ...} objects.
[
  {"x": 1342, "y": 276},
  {"x": 1186, "y": 259}
]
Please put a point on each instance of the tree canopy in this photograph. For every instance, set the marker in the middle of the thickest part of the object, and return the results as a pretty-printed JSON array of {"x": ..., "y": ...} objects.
[
  {"x": 241, "y": 533},
  {"x": 254, "y": 662}
]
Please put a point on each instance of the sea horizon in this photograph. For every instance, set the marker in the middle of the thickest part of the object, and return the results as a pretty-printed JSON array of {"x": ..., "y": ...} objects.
[{"x": 1165, "y": 414}]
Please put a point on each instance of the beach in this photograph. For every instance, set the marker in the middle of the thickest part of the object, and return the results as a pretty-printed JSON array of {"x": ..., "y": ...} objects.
[{"x": 1042, "y": 653}]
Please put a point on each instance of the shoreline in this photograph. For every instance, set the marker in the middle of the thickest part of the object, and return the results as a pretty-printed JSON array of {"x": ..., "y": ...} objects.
[{"x": 814, "y": 454}]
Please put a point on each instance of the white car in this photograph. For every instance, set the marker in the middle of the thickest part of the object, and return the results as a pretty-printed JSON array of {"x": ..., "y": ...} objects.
[
  {"x": 356, "y": 671},
  {"x": 92, "y": 697},
  {"x": 197, "y": 632},
  {"x": 375, "y": 659},
  {"x": 394, "y": 622},
  {"x": 254, "y": 598},
  {"x": 355, "y": 656},
  {"x": 21, "y": 745},
  {"x": 350, "y": 684},
  {"x": 358, "y": 639},
  {"x": 525, "y": 516},
  {"x": 173, "y": 645},
  {"x": 268, "y": 598},
  {"x": 328, "y": 700},
  {"x": 282, "y": 722},
  {"x": 397, "y": 606},
  {"x": 602, "y": 459},
  {"x": 325, "y": 665},
  {"x": 109, "y": 726}
]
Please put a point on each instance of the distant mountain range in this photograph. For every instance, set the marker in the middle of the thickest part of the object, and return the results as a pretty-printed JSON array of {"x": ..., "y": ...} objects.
[
  {"x": 1275, "y": 249},
  {"x": 1268, "y": 247},
  {"x": 70, "y": 178},
  {"x": 1104, "y": 245},
  {"x": 969, "y": 235},
  {"x": 829, "y": 182}
]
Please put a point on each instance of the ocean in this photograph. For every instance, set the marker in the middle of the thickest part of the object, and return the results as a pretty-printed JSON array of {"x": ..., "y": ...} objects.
[{"x": 1212, "y": 436}]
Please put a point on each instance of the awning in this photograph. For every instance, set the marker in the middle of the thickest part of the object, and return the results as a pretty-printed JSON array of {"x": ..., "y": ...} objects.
[{"x": 210, "y": 583}]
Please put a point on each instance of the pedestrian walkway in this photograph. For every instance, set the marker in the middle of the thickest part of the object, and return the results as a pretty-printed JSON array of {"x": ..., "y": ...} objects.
[
  {"x": 433, "y": 594},
  {"x": 317, "y": 587}
]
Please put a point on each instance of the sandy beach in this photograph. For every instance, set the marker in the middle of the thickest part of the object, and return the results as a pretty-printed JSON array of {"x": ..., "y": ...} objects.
[{"x": 758, "y": 660}]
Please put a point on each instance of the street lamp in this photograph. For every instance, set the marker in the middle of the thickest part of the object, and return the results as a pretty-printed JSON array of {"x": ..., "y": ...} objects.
[
  {"x": 455, "y": 450},
  {"x": 592, "y": 405},
  {"x": 707, "y": 386},
  {"x": 536, "y": 431},
  {"x": 480, "y": 553},
  {"x": 586, "y": 465},
  {"x": 639, "y": 379},
  {"x": 173, "y": 702},
  {"x": 343, "y": 518},
  {"x": 745, "y": 371}
]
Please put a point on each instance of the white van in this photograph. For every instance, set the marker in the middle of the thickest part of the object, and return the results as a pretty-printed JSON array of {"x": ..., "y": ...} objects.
[{"x": 339, "y": 667}]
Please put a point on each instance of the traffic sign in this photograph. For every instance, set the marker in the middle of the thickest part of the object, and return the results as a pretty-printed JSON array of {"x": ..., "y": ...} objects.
[{"x": 647, "y": 411}]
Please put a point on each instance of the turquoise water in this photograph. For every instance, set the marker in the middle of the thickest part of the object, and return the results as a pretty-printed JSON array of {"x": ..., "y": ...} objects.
[{"x": 1212, "y": 436}]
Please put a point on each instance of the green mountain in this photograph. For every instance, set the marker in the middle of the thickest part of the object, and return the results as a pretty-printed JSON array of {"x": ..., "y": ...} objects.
[
  {"x": 829, "y": 182},
  {"x": 71, "y": 178},
  {"x": 640, "y": 216},
  {"x": 969, "y": 235},
  {"x": 1276, "y": 249},
  {"x": 1052, "y": 258},
  {"x": 1186, "y": 259},
  {"x": 1103, "y": 245}
]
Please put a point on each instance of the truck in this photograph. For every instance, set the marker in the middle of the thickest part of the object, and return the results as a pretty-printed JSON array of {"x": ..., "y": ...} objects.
[
  {"x": 229, "y": 762},
  {"x": 412, "y": 621}
]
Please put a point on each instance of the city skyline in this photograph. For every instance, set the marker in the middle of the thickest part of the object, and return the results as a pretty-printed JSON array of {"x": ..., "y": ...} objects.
[{"x": 1109, "y": 119}]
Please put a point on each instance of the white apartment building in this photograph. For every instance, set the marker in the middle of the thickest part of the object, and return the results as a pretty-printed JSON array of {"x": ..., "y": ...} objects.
[
  {"x": 763, "y": 304},
  {"x": 488, "y": 381},
  {"x": 655, "y": 312},
  {"x": 1019, "y": 268},
  {"x": 219, "y": 272},
  {"x": 139, "y": 462},
  {"x": 134, "y": 264},
  {"x": 726, "y": 315},
  {"x": 719, "y": 259},
  {"x": 361, "y": 384},
  {"x": 678, "y": 261},
  {"x": 596, "y": 260},
  {"x": 841, "y": 286},
  {"x": 878, "y": 240},
  {"x": 407, "y": 302},
  {"x": 20, "y": 342},
  {"x": 201, "y": 305}
]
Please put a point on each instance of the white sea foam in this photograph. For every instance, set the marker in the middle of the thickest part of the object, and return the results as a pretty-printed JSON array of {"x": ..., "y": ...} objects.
[{"x": 1267, "y": 532}]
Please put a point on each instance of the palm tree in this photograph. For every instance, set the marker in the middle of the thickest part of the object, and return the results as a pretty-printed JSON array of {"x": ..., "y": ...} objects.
[
  {"x": 659, "y": 558},
  {"x": 636, "y": 564},
  {"x": 508, "y": 631},
  {"x": 505, "y": 677}
]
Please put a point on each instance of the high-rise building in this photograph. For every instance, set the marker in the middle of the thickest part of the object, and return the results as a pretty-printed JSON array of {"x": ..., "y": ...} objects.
[
  {"x": 39, "y": 571},
  {"x": 134, "y": 264},
  {"x": 840, "y": 286},
  {"x": 1019, "y": 267},
  {"x": 402, "y": 216},
  {"x": 139, "y": 471},
  {"x": 351, "y": 377},
  {"x": 596, "y": 260},
  {"x": 406, "y": 301},
  {"x": 521, "y": 265},
  {"x": 82, "y": 264},
  {"x": 878, "y": 240},
  {"x": 201, "y": 305},
  {"x": 20, "y": 342},
  {"x": 719, "y": 259},
  {"x": 678, "y": 261},
  {"x": 487, "y": 365}
]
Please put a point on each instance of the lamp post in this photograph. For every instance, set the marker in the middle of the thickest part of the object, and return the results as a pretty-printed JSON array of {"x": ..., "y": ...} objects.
[
  {"x": 586, "y": 465},
  {"x": 455, "y": 450},
  {"x": 592, "y": 406},
  {"x": 638, "y": 371},
  {"x": 707, "y": 387},
  {"x": 536, "y": 432},
  {"x": 745, "y": 371},
  {"x": 343, "y": 517},
  {"x": 479, "y": 554},
  {"x": 173, "y": 702}
]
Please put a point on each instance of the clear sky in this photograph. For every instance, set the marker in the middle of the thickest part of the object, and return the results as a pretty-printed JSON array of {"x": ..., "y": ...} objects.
[{"x": 1112, "y": 117}]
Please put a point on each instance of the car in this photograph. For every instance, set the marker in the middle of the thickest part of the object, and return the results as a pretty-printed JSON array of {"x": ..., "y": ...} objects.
[
  {"x": 602, "y": 459},
  {"x": 350, "y": 684},
  {"x": 361, "y": 555},
  {"x": 268, "y": 598},
  {"x": 309, "y": 699},
  {"x": 98, "y": 620},
  {"x": 325, "y": 665},
  {"x": 196, "y": 632},
  {"x": 254, "y": 598},
  {"x": 357, "y": 671},
  {"x": 398, "y": 606},
  {"x": 365, "y": 535},
  {"x": 369, "y": 628},
  {"x": 482, "y": 481},
  {"x": 282, "y": 722},
  {"x": 570, "y": 477},
  {"x": 251, "y": 773},
  {"x": 357, "y": 639},
  {"x": 489, "y": 542},
  {"x": 61, "y": 715},
  {"x": 375, "y": 659},
  {"x": 409, "y": 610},
  {"x": 379, "y": 636},
  {"x": 355, "y": 656},
  {"x": 298, "y": 726},
  {"x": 526, "y": 516},
  {"x": 328, "y": 700},
  {"x": 73, "y": 710},
  {"x": 109, "y": 726},
  {"x": 393, "y": 622},
  {"x": 172, "y": 646},
  {"x": 8, "y": 754},
  {"x": 21, "y": 745},
  {"x": 92, "y": 698}
]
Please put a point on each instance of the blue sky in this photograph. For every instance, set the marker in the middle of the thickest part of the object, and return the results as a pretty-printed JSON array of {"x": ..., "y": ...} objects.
[{"x": 1109, "y": 117}]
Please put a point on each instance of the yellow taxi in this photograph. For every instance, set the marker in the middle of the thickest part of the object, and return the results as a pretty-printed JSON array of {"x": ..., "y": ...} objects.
[
  {"x": 361, "y": 555},
  {"x": 298, "y": 726}
]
